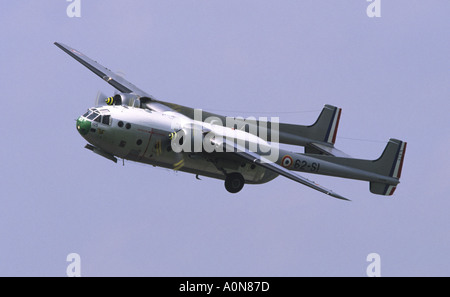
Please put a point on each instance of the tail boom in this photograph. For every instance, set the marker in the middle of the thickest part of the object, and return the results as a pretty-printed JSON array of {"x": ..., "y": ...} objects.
[{"x": 383, "y": 174}]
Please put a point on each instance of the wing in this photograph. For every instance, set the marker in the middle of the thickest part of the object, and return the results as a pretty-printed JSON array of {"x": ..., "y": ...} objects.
[
  {"x": 263, "y": 162},
  {"x": 125, "y": 86},
  {"x": 107, "y": 75}
]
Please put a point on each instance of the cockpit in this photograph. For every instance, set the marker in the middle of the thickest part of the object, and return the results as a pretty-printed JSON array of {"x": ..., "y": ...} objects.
[
  {"x": 89, "y": 122},
  {"x": 98, "y": 115}
]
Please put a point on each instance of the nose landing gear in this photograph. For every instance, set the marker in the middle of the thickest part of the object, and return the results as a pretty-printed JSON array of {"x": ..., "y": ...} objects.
[{"x": 234, "y": 182}]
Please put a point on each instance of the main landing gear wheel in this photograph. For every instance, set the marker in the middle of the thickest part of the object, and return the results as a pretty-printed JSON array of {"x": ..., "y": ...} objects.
[{"x": 234, "y": 182}]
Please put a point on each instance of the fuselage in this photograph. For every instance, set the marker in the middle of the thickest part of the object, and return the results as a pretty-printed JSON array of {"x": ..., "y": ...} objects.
[
  {"x": 142, "y": 135},
  {"x": 146, "y": 136}
]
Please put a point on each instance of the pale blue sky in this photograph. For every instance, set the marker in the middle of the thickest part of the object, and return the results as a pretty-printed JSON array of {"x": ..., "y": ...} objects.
[{"x": 390, "y": 75}]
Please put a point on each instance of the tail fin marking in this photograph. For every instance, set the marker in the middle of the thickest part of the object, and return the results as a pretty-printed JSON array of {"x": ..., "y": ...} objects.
[
  {"x": 396, "y": 170},
  {"x": 330, "y": 136}
]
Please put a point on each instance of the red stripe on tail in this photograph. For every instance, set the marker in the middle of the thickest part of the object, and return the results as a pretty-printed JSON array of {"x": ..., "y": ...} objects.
[
  {"x": 337, "y": 125},
  {"x": 401, "y": 161}
]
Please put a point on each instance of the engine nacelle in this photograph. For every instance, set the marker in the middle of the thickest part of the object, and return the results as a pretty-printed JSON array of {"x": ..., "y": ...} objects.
[
  {"x": 125, "y": 100},
  {"x": 193, "y": 138},
  {"x": 187, "y": 140}
]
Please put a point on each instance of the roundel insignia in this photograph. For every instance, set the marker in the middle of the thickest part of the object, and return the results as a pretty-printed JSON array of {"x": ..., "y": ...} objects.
[{"x": 286, "y": 162}]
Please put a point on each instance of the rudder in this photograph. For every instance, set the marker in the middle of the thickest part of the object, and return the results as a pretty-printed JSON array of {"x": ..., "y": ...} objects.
[
  {"x": 326, "y": 126},
  {"x": 389, "y": 164}
]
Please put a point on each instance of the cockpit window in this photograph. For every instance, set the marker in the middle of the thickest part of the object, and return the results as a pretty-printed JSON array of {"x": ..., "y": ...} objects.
[
  {"x": 105, "y": 119},
  {"x": 86, "y": 114},
  {"x": 92, "y": 116},
  {"x": 98, "y": 119}
]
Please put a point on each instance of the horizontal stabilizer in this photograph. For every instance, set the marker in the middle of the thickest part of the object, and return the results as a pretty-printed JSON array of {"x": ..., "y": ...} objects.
[
  {"x": 383, "y": 173},
  {"x": 319, "y": 148}
]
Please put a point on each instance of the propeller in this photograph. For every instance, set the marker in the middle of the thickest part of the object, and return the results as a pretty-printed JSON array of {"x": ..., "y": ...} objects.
[
  {"x": 129, "y": 99},
  {"x": 186, "y": 142},
  {"x": 101, "y": 98}
]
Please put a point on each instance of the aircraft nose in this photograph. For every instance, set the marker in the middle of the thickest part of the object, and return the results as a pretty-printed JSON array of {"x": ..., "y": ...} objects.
[{"x": 83, "y": 126}]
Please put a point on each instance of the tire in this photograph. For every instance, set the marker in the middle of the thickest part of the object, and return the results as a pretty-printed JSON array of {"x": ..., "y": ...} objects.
[{"x": 234, "y": 182}]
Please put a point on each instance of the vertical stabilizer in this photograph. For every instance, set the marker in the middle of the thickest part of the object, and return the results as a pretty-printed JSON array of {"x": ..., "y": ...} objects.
[{"x": 390, "y": 164}]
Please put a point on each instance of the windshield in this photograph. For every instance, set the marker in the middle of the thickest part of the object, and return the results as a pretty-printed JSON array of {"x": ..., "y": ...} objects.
[{"x": 93, "y": 115}]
